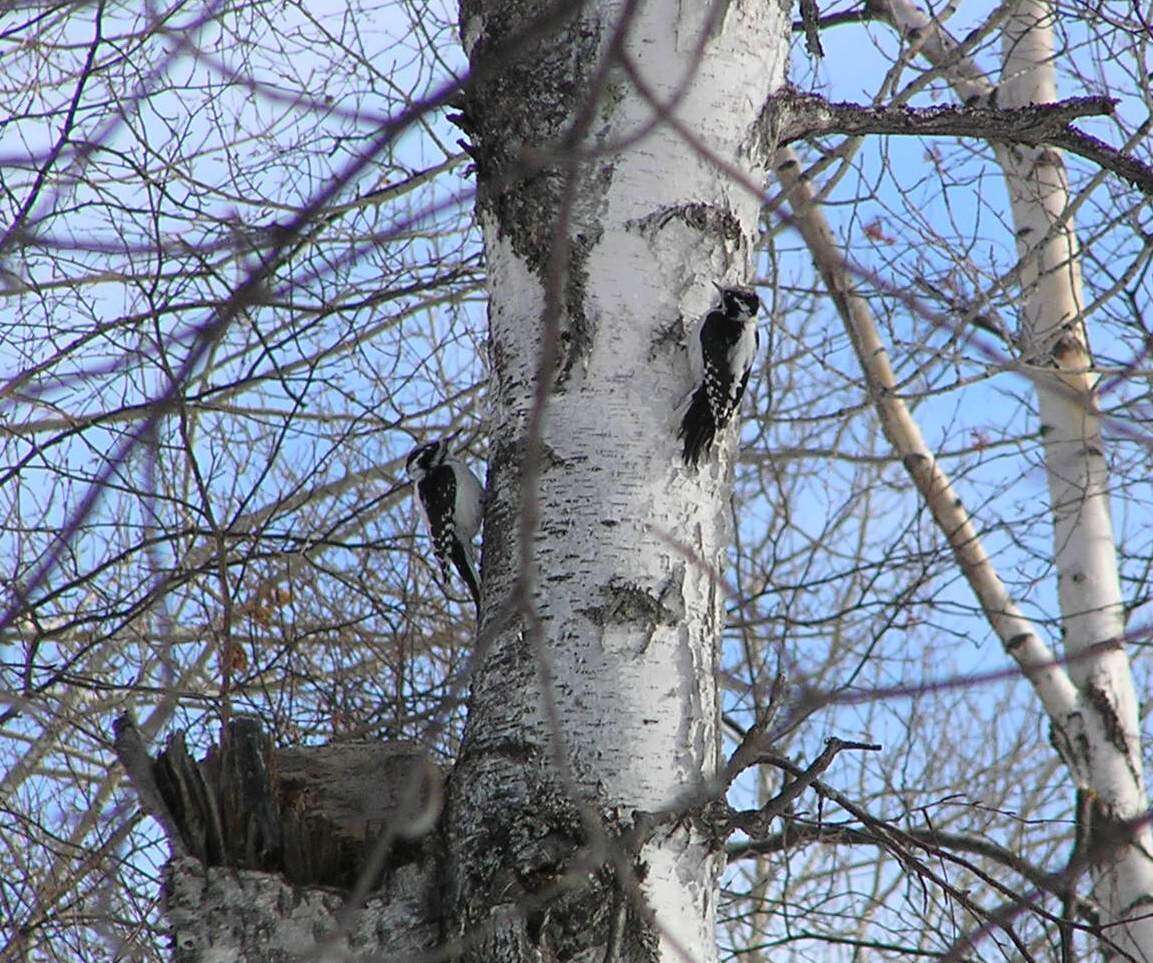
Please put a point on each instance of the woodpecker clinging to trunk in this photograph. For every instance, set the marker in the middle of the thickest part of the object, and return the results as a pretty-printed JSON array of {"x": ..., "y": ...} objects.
[
  {"x": 722, "y": 357},
  {"x": 450, "y": 495}
]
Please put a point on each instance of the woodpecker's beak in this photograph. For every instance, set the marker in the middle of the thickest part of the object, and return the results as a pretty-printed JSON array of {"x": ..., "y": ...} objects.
[{"x": 717, "y": 286}]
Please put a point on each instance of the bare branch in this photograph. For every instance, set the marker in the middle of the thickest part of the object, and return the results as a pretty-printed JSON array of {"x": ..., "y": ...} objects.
[
  {"x": 756, "y": 821},
  {"x": 807, "y": 115},
  {"x": 1019, "y": 637}
]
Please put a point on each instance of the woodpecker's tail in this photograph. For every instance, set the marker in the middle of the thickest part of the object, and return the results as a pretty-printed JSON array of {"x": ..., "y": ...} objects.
[
  {"x": 462, "y": 559},
  {"x": 697, "y": 428}
]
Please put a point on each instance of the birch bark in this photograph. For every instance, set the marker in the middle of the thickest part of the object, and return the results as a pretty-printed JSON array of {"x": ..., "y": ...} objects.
[{"x": 595, "y": 696}]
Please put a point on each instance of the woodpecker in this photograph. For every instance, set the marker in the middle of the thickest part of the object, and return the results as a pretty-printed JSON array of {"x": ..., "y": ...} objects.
[
  {"x": 450, "y": 495},
  {"x": 722, "y": 357}
]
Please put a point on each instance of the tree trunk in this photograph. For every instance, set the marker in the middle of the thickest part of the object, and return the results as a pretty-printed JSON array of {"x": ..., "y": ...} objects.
[
  {"x": 274, "y": 852},
  {"x": 1100, "y": 738},
  {"x": 595, "y": 696},
  {"x": 1053, "y": 337}
]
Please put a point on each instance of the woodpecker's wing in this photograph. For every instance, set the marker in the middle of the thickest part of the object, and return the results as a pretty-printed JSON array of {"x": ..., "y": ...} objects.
[
  {"x": 742, "y": 357},
  {"x": 437, "y": 492},
  {"x": 721, "y": 347},
  {"x": 717, "y": 337}
]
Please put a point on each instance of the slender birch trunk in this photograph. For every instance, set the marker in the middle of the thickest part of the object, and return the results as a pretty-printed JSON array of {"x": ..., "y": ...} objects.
[
  {"x": 596, "y": 696},
  {"x": 1101, "y": 739},
  {"x": 1053, "y": 338}
]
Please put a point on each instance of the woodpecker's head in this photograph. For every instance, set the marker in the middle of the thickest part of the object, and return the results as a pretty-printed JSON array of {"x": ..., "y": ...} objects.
[
  {"x": 739, "y": 304},
  {"x": 424, "y": 459}
]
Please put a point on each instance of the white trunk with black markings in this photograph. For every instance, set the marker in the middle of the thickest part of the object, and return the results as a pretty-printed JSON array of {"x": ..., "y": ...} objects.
[
  {"x": 1107, "y": 746},
  {"x": 1099, "y": 737},
  {"x": 623, "y": 563}
]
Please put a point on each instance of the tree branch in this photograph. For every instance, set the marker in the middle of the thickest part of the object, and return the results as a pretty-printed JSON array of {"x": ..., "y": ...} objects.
[
  {"x": 755, "y": 822},
  {"x": 900, "y": 845},
  {"x": 932, "y": 840},
  {"x": 799, "y": 115},
  {"x": 1018, "y": 635}
]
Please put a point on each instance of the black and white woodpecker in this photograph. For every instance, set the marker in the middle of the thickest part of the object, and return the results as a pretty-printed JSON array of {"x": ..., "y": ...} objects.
[
  {"x": 722, "y": 355},
  {"x": 450, "y": 495}
]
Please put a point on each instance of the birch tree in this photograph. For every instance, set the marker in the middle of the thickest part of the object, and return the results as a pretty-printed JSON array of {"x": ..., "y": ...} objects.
[
  {"x": 859, "y": 687},
  {"x": 603, "y": 605},
  {"x": 1093, "y": 710}
]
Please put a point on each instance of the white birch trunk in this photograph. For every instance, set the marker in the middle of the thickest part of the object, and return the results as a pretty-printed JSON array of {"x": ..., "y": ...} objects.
[
  {"x": 1053, "y": 337},
  {"x": 621, "y": 568},
  {"x": 1101, "y": 741}
]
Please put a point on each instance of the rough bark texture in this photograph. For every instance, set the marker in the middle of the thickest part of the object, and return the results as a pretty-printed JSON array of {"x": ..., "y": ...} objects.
[
  {"x": 223, "y": 915},
  {"x": 596, "y": 696}
]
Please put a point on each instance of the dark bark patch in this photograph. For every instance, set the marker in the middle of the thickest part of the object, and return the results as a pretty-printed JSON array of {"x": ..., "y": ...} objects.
[
  {"x": 668, "y": 338},
  {"x": 1069, "y": 350},
  {"x": 709, "y": 220},
  {"x": 626, "y": 603},
  {"x": 530, "y": 865},
  {"x": 1130, "y": 908},
  {"x": 1103, "y": 831},
  {"x": 516, "y": 137},
  {"x": 915, "y": 462},
  {"x": 578, "y": 332},
  {"x": 1059, "y": 740},
  {"x": 1114, "y": 730}
]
